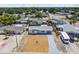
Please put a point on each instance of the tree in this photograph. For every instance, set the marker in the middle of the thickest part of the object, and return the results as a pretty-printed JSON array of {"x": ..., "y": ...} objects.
[
  {"x": 7, "y": 19},
  {"x": 73, "y": 19},
  {"x": 18, "y": 17},
  {"x": 7, "y": 33},
  {"x": 77, "y": 14},
  {"x": 39, "y": 14},
  {"x": 29, "y": 21}
]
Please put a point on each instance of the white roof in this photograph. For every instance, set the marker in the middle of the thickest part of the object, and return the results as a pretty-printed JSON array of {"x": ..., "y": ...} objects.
[
  {"x": 43, "y": 25},
  {"x": 18, "y": 25},
  {"x": 65, "y": 35}
]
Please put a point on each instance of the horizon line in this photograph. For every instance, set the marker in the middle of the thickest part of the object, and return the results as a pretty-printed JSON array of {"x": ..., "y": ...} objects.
[{"x": 39, "y": 5}]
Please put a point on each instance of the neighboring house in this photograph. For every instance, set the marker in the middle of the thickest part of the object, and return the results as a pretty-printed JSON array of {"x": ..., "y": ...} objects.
[
  {"x": 40, "y": 30},
  {"x": 69, "y": 16},
  {"x": 16, "y": 15},
  {"x": 22, "y": 15},
  {"x": 37, "y": 21},
  {"x": 63, "y": 13},
  {"x": 30, "y": 15},
  {"x": 33, "y": 23},
  {"x": 15, "y": 29},
  {"x": 66, "y": 27},
  {"x": 22, "y": 21},
  {"x": 58, "y": 22},
  {"x": 1, "y": 25},
  {"x": 70, "y": 29}
]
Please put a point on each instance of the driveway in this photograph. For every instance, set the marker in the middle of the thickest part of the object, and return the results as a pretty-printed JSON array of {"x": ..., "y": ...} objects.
[{"x": 52, "y": 45}]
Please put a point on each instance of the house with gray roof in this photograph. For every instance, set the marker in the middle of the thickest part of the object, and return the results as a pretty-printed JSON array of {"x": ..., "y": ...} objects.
[
  {"x": 22, "y": 21},
  {"x": 67, "y": 28},
  {"x": 70, "y": 29},
  {"x": 43, "y": 30},
  {"x": 37, "y": 21},
  {"x": 16, "y": 29}
]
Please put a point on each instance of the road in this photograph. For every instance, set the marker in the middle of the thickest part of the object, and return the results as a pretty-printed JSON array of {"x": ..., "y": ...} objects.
[{"x": 72, "y": 48}]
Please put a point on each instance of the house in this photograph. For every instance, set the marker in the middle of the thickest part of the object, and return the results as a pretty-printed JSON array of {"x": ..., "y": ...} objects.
[
  {"x": 58, "y": 22},
  {"x": 70, "y": 29},
  {"x": 21, "y": 21},
  {"x": 63, "y": 13},
  {"x": 66, "y": 27},
  {"x": 37, "y": 21},
  {"x": 1, "y": 25},
  {"x": 14, "y": 29},
  {"x": 40, "y": 30},
  {"x": 16, "y": 15},
  {"x": 22, "y": 15},
  {"x": 30, "y": 15},
  {"x": 69, "y": 15}
]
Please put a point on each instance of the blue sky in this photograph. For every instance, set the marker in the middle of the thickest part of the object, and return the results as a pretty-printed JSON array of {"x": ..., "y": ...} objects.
[{"x": 39, "y": 5}]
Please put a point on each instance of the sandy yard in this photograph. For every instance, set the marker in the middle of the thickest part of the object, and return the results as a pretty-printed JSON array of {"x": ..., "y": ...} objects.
[
  {"x": 2, "y": 37},
  {"x": 35, "y": 43}
]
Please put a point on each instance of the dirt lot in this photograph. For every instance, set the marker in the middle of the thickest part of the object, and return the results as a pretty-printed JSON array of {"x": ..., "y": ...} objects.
[{"x": 35, "y": 43}]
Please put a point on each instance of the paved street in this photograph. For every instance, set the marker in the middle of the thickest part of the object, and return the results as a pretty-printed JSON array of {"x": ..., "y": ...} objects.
[{"x": 72, "y": 48}]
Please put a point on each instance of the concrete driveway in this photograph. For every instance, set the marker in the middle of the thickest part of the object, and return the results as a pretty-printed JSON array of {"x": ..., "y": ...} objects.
[{"x": 52, "y": 45}]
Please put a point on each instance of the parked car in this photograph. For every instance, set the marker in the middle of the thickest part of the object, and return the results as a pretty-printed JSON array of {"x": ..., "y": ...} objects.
[{"x": 64, "y": 37}]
